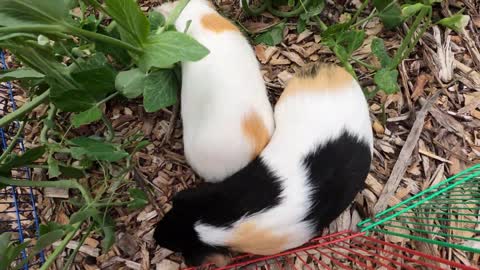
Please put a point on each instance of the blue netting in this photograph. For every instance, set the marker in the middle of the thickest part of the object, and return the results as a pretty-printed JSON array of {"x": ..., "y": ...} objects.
[{"x": 18, "y": 212}]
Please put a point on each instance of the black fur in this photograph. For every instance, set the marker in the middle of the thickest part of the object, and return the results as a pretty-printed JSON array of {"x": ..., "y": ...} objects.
[
  {"x": 338, "y": 171},
  {"x": 250, "y": 190}
]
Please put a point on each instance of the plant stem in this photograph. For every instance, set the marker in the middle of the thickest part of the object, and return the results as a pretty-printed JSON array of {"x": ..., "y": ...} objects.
[
  {"x": 369, "y": 17},
  {"x": 360, "y": 9},
  {"x": 26, "y": 108},
  {"x": 374, "y": 13},
  {"x": 13, "y": 143},
  {"x": 51, "y": 259},
  {"x": 44, "y": 133},
  {"x": 400, "y": 55},
  {"x": 51, "y": 29},
  {"x": 107, "y": 98},
  {"x": 43, "y": 184},
  {"x": 320, "y": 23},
  {"x": 75, "y": 251},
  {"x": 97, "y": 6},
  {"x": 103, "y": 38},
  {"x": 174, "y": 15},
  {"x": 108, "y": 124},
  {"x": 108, "y": 204},
  {"x": 254, "y": 11},
  {"x": 363, "y": 63},
  {"x": 55, "y": 29},
  {"x": 288, "y": 14},
  {"x": 106, "y": 121}
]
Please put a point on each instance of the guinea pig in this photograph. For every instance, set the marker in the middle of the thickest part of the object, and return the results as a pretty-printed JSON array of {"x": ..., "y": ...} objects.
[
  {"x": 227, "y": 117},
  {"x": 314, "y": 165}
]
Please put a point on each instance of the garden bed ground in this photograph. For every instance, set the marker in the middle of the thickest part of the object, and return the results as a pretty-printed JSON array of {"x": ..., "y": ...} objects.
[{"x": 425, "y": 132}]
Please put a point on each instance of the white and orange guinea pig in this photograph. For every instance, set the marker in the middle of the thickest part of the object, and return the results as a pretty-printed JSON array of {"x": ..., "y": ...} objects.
[
  {"x": 315, "y": 163},
  {"x": 227, "y": 117}
]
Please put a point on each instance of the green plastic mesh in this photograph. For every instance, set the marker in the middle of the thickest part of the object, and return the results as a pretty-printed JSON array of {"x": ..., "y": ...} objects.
[{"x": 447, "y": 214}]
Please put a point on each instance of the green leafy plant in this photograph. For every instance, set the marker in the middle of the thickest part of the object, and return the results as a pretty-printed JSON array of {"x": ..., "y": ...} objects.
[
  {"x": 77, "y": 55},
  {"x": 345, "y": 38}
]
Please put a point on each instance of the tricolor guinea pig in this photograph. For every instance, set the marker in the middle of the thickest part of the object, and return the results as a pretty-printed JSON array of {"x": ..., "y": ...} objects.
[
  {"x": 314, "y": 165},
  {"x": 227, "y": 117}
]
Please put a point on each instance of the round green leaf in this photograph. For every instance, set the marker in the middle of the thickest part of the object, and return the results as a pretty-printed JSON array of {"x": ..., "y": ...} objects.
[
  {"x": 130, "y": 83},
  {"x": 165, "y": 49}
]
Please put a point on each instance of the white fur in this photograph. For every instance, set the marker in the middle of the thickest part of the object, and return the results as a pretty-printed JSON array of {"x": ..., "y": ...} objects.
[
  {"x": 302, "y": 123},
  {"x": 217, "y": 93}
]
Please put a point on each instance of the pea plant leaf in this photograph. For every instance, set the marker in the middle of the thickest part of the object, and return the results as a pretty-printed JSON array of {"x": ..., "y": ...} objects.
[
  {"x": 107, "y": 225},
  {"x": 456, "y": 22},
  {"x": 47, "y": 239},
  {"x": 83, "y": 214},
  {"x": 160, "y": 90},
  {"x": 86, "y": 117},
  {"x": 96, "y": 77},
  {"x": 139, "y": 198},
  {"x": 20, "y": 12},
  {"x": 333, "y": 30},
  {"x": 53, "y": 226},
  {"x": 301, "y": 24},
  {"x": 409, "y": 10},
  {"x": 351, "y": 40},
  {"x": 127, "y": 14},
  {"x": 272, "y": 37},
  {"x": 26, "y": 158},
  {"x": 131, "y": 82},
  {"x": 96, "y": 150},
  {"x": 315, "y": 8},
  {"x": 389, "y": 13},
  {"x": 165, "y": 49},
  {"x": 344, "y": 42},
  {"x": 10, "y": 251},
  {"x": 20, "y": 74},
  {"x": 89, "y": 83},
  {"x": 4, "y": 244},
  {"x": 379, "y": 50},
  {"x": 120, "y": 55},
  {"x": 102, "y": 221},
  {"x": 386, "y": 80},
  {"x": 156, "y": 20},
  {"x": 71, "y": 172},
  {"x": 53, "y": 167},
  {"x": 70, "y": 99}
]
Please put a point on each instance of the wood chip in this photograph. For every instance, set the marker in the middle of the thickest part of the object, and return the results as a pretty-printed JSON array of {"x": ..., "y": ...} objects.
[
  {"x": 447, "y": 121},
  {"x": 432, "y": 155},
  {"x": 294, "y": 57},
  {"x": 127, "y": 243},
  {"x": 51, "y": 192},
  {"x": 378, "y": 128},
  {"x": 422, "y": 80},
  {"x": 305, "y": 34},
  {"x": 404, "y": 156},
  {"x": 92, "y": 242},
  {"x": 279, "y": 60},
  {"x": 285, "y": 76},
  {"x": 167, "y": 265},
  {"x": 94, "y": 252}
]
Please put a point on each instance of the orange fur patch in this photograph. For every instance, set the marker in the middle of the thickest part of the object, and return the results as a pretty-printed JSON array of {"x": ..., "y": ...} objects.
[
  {"x": 216, "y": 23},
  {"x": 250, "y": 239},
  {"x": 256, "y": 131},
  {"x": 318, "y": 77}
]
